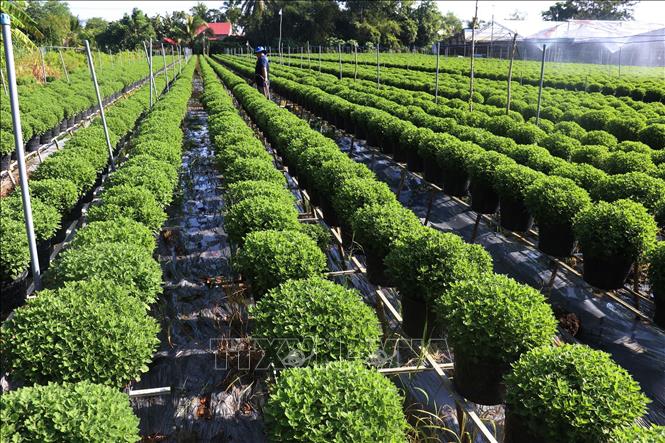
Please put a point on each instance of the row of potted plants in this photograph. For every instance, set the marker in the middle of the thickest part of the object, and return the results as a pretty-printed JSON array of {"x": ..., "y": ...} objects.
[
  {"x": 592, "y": 111},
  {"x": 498, "y": 183},
  {"x": 615, "y": 132},
  {"x": 642, "y": 85},
  {"x": 494, "y": 130},
  {"x": 48, "y": 110},
  {"x": 90, "y": 333},
  {"x": 59, "y": 188},
  {"x": 327, "y": 324},
  {"x": 453, "y": 279}
]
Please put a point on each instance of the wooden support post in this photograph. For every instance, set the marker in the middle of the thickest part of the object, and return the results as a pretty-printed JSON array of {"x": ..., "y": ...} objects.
[
  {"x": 429, "y": 206},
  {"x": 402, "y": 178}
]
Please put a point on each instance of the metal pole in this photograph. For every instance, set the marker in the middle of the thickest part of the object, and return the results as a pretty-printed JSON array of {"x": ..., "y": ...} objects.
[
  {"x": 20, "y": 154},
  {"x": 510, "y": 73},
  {"x": 309, "y": 57},
  {"x": 180, "y": 59},
  {"x": 301, "y": 56},
  {"x": 491, "y": 35},
  {"x": 101, "y": 104},
  {"x": 64, "y": 67},
  {"x": 473, "y": 55},
  {"x": 436, "y": 83},
  {"x": 166, "y": 73},
  {"x": 355, "y": 56},
  {"x": 289, "y": 58},
  {"x": 150, "y": 75},
  {"x": 378, "y": 72},
  {"x": 173, "y": 61},
  {"x": 619, "y": 61},
  {"x": 41, "y": 56},
  {"x": 339, "y": 53},
  {"x": 319, "y": 59},
  {"x": 540, "y": 86},
  {"x": 279, "y": 44}
]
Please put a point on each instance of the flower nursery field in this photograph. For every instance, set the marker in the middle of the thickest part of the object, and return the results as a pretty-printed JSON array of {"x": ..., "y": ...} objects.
[{"x": 348, "y": 261}]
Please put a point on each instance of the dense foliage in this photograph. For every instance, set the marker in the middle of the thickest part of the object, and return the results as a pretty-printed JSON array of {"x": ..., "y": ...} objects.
[
  {"x": 337, "y": 324},
  {"x": 67, "y": 412},
  {"x": 339, "y": 402},
  {"x": 572, "y": 393}
]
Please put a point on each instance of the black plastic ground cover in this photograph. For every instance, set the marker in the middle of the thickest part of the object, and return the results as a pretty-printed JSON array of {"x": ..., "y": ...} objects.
[{"x": 210, "y": 400}]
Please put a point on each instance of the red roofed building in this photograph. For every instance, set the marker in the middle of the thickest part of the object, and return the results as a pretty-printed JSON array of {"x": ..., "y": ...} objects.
[{"x": 217, "y": 30}]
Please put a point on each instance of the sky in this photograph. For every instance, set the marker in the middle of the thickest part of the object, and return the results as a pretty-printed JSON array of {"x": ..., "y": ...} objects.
[{"x": 646, "y": 10}]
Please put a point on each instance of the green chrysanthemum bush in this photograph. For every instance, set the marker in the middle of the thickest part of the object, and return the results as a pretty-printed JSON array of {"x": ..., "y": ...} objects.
[
  {"x": 258, "y": 214},
  {"x": 594, "y": 155},
  {"x": 620, "y": 228},
  {"x": 160, "y": 150},
  {"x": 638, "y": 434},
  {"x": 340, "y": 402},
  {"x": 253, "y": 169},
  {"x": 157, "y": 181},
  {"x": 243, "y": 149},
  {"x": 556, "y": 200},
  {"x": 67, "y": 412},
  {"x": 136, "y": 203},
  {"x": 46, "y": 219},
  {"x": 14, "y": 252},
  {"x": 71, "y": 167},
  {"x": 87, "y": 330},
  {"x": 635, "y": 186},
  {"x": 337, "y": 324},
  {"x": 376, "y": 227},
  {"x": 128, "y": 264},
  {"x": 495, "y": 318},
  {"x": 584, "y": 175},
  {"x": 149, "y": 162},
  {"x": 119, "y": 230},
  {"x": 237, "y": 192},
  {"x": 620, "y": 162},
  {"x": 654, "y": 135},
  {"x": 355, "y": 193},
  {"x": 269, "y": 258},
  {"x": 572, "y": 393},
  {"x": 423, "y": 266},
  {"x": 59, "y": 193}
]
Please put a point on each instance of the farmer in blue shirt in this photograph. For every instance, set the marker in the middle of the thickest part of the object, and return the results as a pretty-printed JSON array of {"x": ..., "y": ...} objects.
[{"x": 261, "y": 71}]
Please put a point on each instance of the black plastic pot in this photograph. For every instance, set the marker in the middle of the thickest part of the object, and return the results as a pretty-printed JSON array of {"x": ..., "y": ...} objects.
[
  {"x": 606, "y": 272},
  {"x": 347, "y": 235},
  {"x": 46, "y": 137},
  {"x": 44, "y": 253},
  {"x": 515, "y": 216},
  {"x": 33, "y": 144},
  {"x": 556, "y": 240},
  {"x": 328, "y": 212},
  {"x": 417, "y": 318},
  {"x": 433, "y": 173},
  {"x": 414, "y": 162},
  {"x": 63, "y": 126},
  {"x": 455, "y": 185},
  {"x": 13, "y": 294},
  {"x": 78, "y": 118},
  {"x": 400, "y": 153},
  {"x": 483, "y": 199},
  {"x": 71, "y": 121},
  {"x": 376, "y": 269},
  {"x": 516, "y": 432},
  {"x": 5, "y": 161},
  {"x": 480, "y": 381}
]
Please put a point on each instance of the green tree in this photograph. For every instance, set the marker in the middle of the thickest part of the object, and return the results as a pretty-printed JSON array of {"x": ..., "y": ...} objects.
[
  {"x": 93, "y": 27},
  {"x": 54, "y": 20},
  {"x": 590, "y": 10},
  {"x": 127, "y": 33},
  {"x": 23, "y": 26},
  {"x": 430, "y": 22}
]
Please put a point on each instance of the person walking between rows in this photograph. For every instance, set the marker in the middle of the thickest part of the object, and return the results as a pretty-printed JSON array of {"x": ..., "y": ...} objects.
[{"x": 261, "y": 71}]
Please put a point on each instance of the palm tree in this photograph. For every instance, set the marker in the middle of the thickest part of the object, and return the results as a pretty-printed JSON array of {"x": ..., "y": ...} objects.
[
  {"x": 21, "y": 23},
  {"x": 251, "y": 7}
]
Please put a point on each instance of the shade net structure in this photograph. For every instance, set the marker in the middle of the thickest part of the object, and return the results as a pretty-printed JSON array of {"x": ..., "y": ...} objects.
[{"x": 587, "y": 41}]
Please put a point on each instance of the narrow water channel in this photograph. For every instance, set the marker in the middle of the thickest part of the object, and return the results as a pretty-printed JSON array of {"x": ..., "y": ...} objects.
[{"x": 207, "y": 402}]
